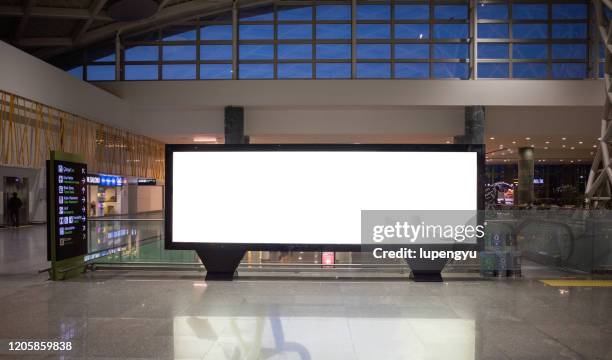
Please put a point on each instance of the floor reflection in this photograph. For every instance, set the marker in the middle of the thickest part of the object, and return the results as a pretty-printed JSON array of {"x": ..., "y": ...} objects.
[{"x": 279, "y": 337}]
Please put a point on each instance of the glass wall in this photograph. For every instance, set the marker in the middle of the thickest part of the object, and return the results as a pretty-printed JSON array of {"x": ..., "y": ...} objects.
[{"x": 374, "y": 40}]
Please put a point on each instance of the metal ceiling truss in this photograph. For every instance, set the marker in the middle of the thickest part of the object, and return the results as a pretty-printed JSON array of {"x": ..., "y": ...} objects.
[{"x": 599, "y": 185}]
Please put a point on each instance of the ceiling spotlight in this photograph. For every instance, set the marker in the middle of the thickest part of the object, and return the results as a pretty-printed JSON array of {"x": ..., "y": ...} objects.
[
  {"x": 514, "y": 142},
  {"x": 572, "y": 148},
  {"x": 563, "y": 146},
  {"x": 545, "y": 147},
  {"x": 532, "y": 145},
  {"x": 527, "y": 138},
  {"x": 595, "y": 146},
  {"x": 491, "y": 138},
  {"x": 571, "y": 161},
  {"x": 447, "y": 141},
  {"x": 579, "y": 160},
  {"x": 563, "y": 138},
  {"x": 548, "y": 142},
  {"x": 579, "y": 142}
]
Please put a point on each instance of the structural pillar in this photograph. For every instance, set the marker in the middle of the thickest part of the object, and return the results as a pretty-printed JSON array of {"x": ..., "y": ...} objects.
[
  {"x": 234, "y": 125},
  {"x": 474, "y": 119},
  {"x": 525, "y": 176}
]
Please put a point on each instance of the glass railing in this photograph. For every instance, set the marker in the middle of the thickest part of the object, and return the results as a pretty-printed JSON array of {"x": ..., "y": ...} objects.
[{"x": 561, "y": 241}]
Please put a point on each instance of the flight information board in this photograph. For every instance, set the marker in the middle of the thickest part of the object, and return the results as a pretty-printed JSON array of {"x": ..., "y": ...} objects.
[{"x": 70, "y": 205}]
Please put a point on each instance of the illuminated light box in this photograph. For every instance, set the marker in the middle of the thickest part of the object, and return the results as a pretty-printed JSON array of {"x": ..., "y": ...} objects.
[{"x": 279, "y": 196}]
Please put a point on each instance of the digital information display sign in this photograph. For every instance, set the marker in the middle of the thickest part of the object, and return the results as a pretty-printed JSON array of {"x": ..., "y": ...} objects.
[
  {"x": 307, "y": 195},
  {"x": 69, "y": 206}
]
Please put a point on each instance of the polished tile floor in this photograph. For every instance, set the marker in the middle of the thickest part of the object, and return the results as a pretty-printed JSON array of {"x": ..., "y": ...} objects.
[{"x": 177, "y": 315}]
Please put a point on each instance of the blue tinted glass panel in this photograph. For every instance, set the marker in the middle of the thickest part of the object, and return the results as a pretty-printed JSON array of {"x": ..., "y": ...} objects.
[
  {"x": 411, "y": 51},
  {"x": 373, "y": 31},
  {"x": 569, "y": 11},
  {"x": 257, "y": 14},
  {"x": 602, "y": 70},
  {"x": 529, "y": 51},
  {"x": 450, "y": 31},
  {"x": 569, "y": 71},
  {"x": 529, "y": 11},
  {"x": 77, "y": 72},
  {"x": 373, "y": 51},
  {"x": 256, "y": 32},
  {"x": 569, "y": 51},
  {"x": 100, "y": 72},
  {"x": 493, "y": 31},
  {"x": 110, "y": 57},
  {"x": 333, "y": 51},
  {"x": 256, "y": 71},
  {"x": 296, "y": 13},
  {"x": 333, "y": 31},
  {"x": 529, "y": 31},
  {"x": 179, "y": 52},
  {"x": 450, "y": 70},
  {"x": 450, "y": 51},
  {"x": 602, "y": 51},
  {"x": 178, "y": 71},
  {"x": 216, "y": 71},
  {"x": 492, "y": 51},
  {"x": 256, "y": 52},
  {"x": 569, "y": 31},
  {"x": 455, "y": 12},
  {"x": 294, "y": 31},
  {"x": 411, "y": 12},
  {"x": 142, "y": 53},
  {"x": 334, "y": 71},
  {"x": 334, "y": 12},
  {"x": 493, "y": 70},
  {"x": 373, "y": 12},
  {"x": 493, "y": 11},
  {"x": 411, "y": 70},
  {"x": 216, "y": 32},
  {"x": 294, "y": 71},
  {"x": 529, "y": 70},
  {"x": 181, "y": 36},
  {"x": 140, "y": 72},
  {"x": 411, "y": 31},
  {"x": 287, "y": 52},
  {"x": 216, "y": 52},
  {"x": 373, "y": 71}
]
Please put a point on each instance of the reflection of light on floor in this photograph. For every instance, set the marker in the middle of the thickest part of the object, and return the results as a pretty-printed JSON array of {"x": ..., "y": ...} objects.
[
  {"x": 569, "y": 283},
  {"x": 219, "y": 337}
]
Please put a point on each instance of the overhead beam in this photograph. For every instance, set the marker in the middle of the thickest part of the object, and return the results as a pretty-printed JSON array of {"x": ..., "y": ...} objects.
[
  {"x": 51, "y": 12},
  {"x": 94, "y": 10},
  {"x": 164, "y": 17},
  {"x": 23, "y": 23},
  {"x": 44, "y": 42}
]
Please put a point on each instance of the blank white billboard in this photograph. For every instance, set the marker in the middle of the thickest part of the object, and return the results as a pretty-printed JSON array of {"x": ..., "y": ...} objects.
[{"x": 309, "y": 197}]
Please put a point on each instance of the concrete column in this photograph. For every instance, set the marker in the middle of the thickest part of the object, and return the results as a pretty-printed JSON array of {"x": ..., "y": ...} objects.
[
  {"x": 525, "y": 176},
  {"x": 234, "y": 125},
  {"x": 474, "y": 126}
]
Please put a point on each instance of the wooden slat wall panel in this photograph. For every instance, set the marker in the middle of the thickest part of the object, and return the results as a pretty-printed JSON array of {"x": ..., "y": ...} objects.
[{"x": 30, "y": 130}]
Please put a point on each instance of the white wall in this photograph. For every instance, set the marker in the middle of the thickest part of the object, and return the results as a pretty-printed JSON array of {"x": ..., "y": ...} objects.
[{"x": 27, "y": 76}]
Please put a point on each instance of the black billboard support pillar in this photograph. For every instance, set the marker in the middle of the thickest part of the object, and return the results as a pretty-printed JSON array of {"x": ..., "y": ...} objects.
[
  {"x": 431, "y": 271},
  {"x": 221, "y": 262}
]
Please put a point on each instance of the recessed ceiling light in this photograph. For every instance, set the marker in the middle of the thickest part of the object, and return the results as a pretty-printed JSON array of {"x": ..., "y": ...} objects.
[
  {"x": 563, "y": 146},
  {"x": 563, "y": 139},
  {"x": 579, "y": 142},
  {"x": 572, "y": 148},
  {"x": 532, "y": 145},
  {"x": 548, "y": 142},
  {"x": 595, "y": 146},
  {"x": 545, "y": 147},
  {"x": 205, "y": 139},
  {"x": 514, "y": 142},
  {"x": 527, "y": 138},
  {"x": 579, "y": 160},
  {"x": 491, "y": 138},
  {"x": 448, "y": 142},
  {"x": 561, "y": 160},
  {"x": 571, "y": 161}
]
